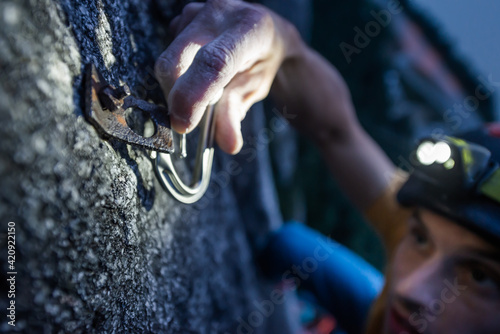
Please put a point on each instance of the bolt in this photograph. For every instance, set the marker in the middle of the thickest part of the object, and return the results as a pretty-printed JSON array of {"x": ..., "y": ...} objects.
[
  {"x": 107, "y": 99},
  {"x": 121, "y": 92}
]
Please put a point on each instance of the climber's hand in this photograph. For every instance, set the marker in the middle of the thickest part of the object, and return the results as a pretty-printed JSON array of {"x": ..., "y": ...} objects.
[{"x": 227, "y": 51}]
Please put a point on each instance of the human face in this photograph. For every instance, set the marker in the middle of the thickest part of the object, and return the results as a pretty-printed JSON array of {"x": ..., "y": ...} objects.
[{"x": 445, "y": 279}]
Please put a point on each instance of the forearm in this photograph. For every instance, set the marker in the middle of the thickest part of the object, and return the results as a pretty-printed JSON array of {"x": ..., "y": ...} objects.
[
  {"x": 232, "y": 52},
  {"x": 314, "y": 93},
  {"x": 361, "y": 168}
]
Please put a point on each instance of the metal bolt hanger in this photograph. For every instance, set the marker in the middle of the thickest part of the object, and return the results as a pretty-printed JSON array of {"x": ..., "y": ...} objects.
[{"x": 105, "y": 108}]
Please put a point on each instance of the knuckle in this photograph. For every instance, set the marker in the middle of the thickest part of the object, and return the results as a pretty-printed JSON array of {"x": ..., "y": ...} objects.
[
  {"x": 164, "y": 67},
  {"x": 187, "y": 9},
  {"x": 216, "y": 58},
  {"x": 253, "y": 15},
  {"x": 191, "y": 8},
  {"x": 218, "y": 3}
]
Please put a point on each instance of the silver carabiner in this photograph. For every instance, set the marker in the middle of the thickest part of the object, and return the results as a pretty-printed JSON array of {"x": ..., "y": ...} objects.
[{"x": 165, "y": 169}]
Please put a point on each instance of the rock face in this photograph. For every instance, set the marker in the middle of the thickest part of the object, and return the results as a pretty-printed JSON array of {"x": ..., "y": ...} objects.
[{"x": 100, "y": 246}]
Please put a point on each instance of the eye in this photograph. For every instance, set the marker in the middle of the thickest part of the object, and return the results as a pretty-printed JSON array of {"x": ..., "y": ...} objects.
[
  {"x": 482, "y": 277},
  {"x": 419, "y": 236},
  {"x": 479, "y": 275}
]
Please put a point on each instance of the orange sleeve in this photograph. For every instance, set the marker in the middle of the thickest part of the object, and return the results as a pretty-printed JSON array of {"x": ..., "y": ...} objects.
[{"x": 387, "y": 216}]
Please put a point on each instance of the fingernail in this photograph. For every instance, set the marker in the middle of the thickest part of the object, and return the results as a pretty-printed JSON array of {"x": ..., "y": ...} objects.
[
  {"x": 239, "y": 144},
  {"x": 179, "y": 124}
]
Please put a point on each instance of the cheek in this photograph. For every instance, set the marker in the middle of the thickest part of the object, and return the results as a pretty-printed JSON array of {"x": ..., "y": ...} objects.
[
  {"x": 402, "y": 265},
  {"x": 477, "y": 315},
  {"x": 404, "y": 262},
  {"x": 491, "y": 322},
  {"x": 459, "y": 318},
  {"x": 454, "y": 319}
]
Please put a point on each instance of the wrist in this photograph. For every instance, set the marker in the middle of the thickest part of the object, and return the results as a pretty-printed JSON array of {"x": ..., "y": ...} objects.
[
  {"x": 287, "y": 39},
  {"x": 317, "y": 97}
]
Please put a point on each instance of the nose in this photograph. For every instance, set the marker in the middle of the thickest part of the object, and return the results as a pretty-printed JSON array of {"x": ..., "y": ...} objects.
[{"x": 418, "y": 289}]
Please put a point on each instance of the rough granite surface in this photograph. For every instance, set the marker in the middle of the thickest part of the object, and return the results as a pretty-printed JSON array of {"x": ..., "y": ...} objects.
[{"x": 100, "y": 246}]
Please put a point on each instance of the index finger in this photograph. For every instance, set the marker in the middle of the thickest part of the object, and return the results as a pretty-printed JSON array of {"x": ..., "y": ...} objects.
[{"x": 207, "y": 63}]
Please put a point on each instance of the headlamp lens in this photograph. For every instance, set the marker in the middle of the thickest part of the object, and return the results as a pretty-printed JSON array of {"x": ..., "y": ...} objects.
[
  {"x": 442, "y": 152},
  {"x": 429, "y": 153},
  {"x": 457, "y": 167}
]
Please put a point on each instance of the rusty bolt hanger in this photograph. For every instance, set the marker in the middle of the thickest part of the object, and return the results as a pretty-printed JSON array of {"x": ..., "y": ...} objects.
[{"x": 105, "y": 109}]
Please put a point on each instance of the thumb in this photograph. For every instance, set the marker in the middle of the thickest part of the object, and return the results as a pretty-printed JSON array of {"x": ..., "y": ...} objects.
[{"x": 228, "y": 124}]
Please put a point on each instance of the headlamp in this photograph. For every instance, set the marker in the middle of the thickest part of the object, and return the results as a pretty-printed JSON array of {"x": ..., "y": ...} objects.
[
  {"x": 457, "y": 168},
  {"x": 459, "y": 180}
]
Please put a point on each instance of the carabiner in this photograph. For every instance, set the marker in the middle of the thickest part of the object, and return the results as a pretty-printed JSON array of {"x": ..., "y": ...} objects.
[{"x": 170, "y": 180}]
